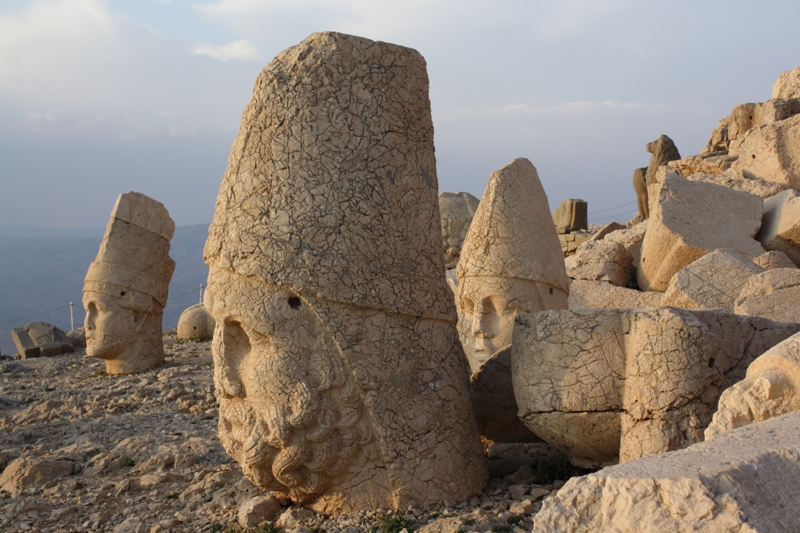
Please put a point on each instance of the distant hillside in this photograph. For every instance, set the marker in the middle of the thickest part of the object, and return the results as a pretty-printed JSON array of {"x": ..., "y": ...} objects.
[{"x": 41, "y": 275}]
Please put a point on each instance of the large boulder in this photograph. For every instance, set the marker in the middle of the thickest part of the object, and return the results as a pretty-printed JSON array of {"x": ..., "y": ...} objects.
[
  {"x": 616, "y": 384},
  {"x": 457, "y": 211},
  {"x": 601, "y": 261},
  {"x": 585, "y": 293},
  {"x": 780, "y": 225},
  {"x": 713, "y": 281},
  {"x": 772, "y": 294},
  {"x": 772, "y": 152},
  {"x": 689, "y": 220},
  {"x": 40, "y": 339},
  {"x": 747, "y": 480}
]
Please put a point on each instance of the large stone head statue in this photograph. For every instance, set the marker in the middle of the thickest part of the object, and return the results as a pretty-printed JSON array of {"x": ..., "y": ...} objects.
[
  {"x": 511, "y": 261},
  {"x": 337, "y": 365},
  {"x": 125, "y": 289}
]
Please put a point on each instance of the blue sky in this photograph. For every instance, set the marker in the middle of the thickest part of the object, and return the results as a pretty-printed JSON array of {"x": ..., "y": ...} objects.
[{"x": 101, "y": 97}]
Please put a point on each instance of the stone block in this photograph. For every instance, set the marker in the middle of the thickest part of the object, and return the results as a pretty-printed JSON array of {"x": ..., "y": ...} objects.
[
  {"x": 602, "y": 294},
  {"x": 572, "y": 214},
  {"x": 780, "y": 225},
  {"x": 601, "y": 261},
  {"x": 773, "y": 294}
]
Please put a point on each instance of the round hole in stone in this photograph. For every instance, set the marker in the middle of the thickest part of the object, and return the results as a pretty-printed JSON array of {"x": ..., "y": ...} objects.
[
  {"x": 122, "y": 293},
  {"x": 294, "y": 302}
]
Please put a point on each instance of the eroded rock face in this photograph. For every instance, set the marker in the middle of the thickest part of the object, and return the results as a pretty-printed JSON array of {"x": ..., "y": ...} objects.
[
  {"x": 711, "y": 282},
  {"x": 780, "y": 226},
  {"x": 618, "y": 384},
  {"x": 772, "y": 152},
  {"x": 772, "y": 294},
  {"x": 126, "y": 287},
  {"x": 744, "y": 481},
  {"x": 511, "y": 262},
  {"x": 341, "y": 380},
  {"x": 787, "y": 85},
  {"x": 457, "y": 211},
  {"x": 689, "y": 220},
  {"x": 771, "y": 388}
]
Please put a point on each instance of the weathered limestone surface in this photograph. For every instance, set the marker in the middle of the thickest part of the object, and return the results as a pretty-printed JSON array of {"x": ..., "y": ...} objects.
[
  {"x": 195, "y": 323},
  {"x": 617, "y": 384},
  {"x": 585, "y": 293},
  {"x": 771, "y": 388},
  {"x": 713, "y": 281},
  {"x": 571, "y": 215},
  {"x": 40, "y": 339},
  {"x": 126, "y": 287},
  {"x": 457, "y": 211},
  {"x": 689, "y": 220},
  {"x": 773, "y": 294},
  {"x": 570, "y": 241},
  {"x": 787, "y": 85},
  {"x": 607, "y": 229},
  {"x": 494, "y": 403},
  {"x": 780, "y": 226},
  {"x": 770, "y": 260},
  {"x": 511, "y": 261},
  {"x": 631, "y": 238},
  {"x": 772, "y": 152},
  {"x": 341, "y": 380},
  {"x": 601, "y": 261},
  {"x": 736, "y": 180},
  {"x": 743, "y": 481}
]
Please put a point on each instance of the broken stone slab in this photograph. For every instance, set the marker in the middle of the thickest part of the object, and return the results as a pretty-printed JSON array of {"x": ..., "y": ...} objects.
[
  {"x": 457, "y": 211},
  {"x": 195, "y": 323},
  {"x": 773, "y": 294},
  {"x": 746, "y": 480},
  {"x": 772, "y": 152},
  {"x": 605, "y": 385},
  {"x": 738, "y": 181},
  {"x": 605, "y": 230},
  {"x": 602, "y": 294},
  {"x": 689, "y": 220},
  {"x": 40, "y": 339},
  {"x": 771, "y": 260},
  {"x": 780, "y": 226},
  {"x": 711, "y": 282},
  {"x": 770, "y": 389},
  {"x": 572, "y": 215},
  {"x": 631, "y": 238},
  {"x": 602, "y": 260},
  {"x": 493, "y": 401}
]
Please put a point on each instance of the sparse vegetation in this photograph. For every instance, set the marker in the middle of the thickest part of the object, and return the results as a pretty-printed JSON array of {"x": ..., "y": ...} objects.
[
  {"x": 128, "y": 462},
  {"x": 515, "y": 519},
  {"x": 393, "y": 523}
]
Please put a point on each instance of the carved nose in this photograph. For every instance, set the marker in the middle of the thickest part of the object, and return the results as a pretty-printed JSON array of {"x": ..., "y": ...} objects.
[{"x": 480, "y": 328}]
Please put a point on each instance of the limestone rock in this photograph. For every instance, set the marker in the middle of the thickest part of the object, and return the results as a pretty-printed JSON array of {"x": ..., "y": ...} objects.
[
  {"x": 780, "y": 226},
  {"x": 511, "y": 261},
  {"x": 609, "y": 384},
  {"x": 494, "y": 403},
  {"x": 126, "y": 287},
  {"x": 738, "y": 181},
  {"x": 607, "y": 229},
  {"x": 787, "y": 85},
  {"x": 772, "y": 294},
  {"x": 195, "y": 323},
  {"x": 772, "y": 152},
  {"x": 258, "y": 509},
  {"x": 770, "y": 389},
  {"x": 571, "y": 215},
  {"x": 713, "y": 281},
  {"x": 26, "y": 472},
  {"x": 631, "y": 238},
  {"x": 771, "y": 260},
  {"x": 40, "y": 339},
  {"x": 744, "y": 481},
  {"x": 457, "y": 211},
  {"x": 704, "y": 164},
  {"x": 585, "y": 293},
  {"x": 689, "y": 220},
  {"x": 341, "y": 380},
  {"x": 601, "y": 261}
]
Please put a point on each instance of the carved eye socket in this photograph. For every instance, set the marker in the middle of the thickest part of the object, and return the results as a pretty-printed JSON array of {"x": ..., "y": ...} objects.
[
  {"x": 122, "y": 293},
  {"x": 294, "y": 302}
]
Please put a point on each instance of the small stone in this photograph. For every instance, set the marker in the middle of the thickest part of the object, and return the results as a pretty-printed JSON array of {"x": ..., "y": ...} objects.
[
  {"x": 523, "y": 476},
  {"x": 257, "y": 510},
  {"x": 539, "y": 492},
  {"x": 518, "y": 491}
]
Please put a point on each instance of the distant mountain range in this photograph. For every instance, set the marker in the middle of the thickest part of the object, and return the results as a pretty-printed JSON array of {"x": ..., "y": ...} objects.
[{"x": 42, "y": 271}]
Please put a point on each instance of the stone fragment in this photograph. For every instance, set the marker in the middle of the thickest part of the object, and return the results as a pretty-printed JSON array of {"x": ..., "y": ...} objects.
[
  {"x": 787, "y": 85},
  {"x": 746, "y": 481},
  {"x": 40, "y": 339},
  {"x": 736, "y": 180},
  {"x": 494, "y": 403},
  {"x": 27, "y": 472},
  {"x": 570, "y": 241},
  {"x": 258, "y": 509},
  {"x": 601, "y": 261},
  {"x": 711, "y": 282},
  {"x": 457, "y": 211},
  {"x": 616, "y": 384},
  {"x": 511, "y": 261},
  {"x": 780, "y": 226},
  {"x": 772, "y": 152},
  {"x": 771, "y": 260},
  {"x": 585, "y": 293},
  {"x": 126, "y": 287},
  {"x": 293, "y": 518},
  {"x": 772, "y": 294},
  {"x": 340, "y": 377},
  {"x": 770, "y": 389},
  {"x": 572, "y": 215},
  {"x": 689, "y": 220},
  {"x": 703, "y": 164},
  {"x": 195, "y": 323},
  {"x": 631, "y": 238}
]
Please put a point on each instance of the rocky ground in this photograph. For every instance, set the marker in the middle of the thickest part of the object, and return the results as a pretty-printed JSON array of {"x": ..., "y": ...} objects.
[{"x": 84, "y": 451}]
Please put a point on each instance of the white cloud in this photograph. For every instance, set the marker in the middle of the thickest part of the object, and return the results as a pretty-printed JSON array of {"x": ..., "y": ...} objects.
[{"x": 241, "y": 50}]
